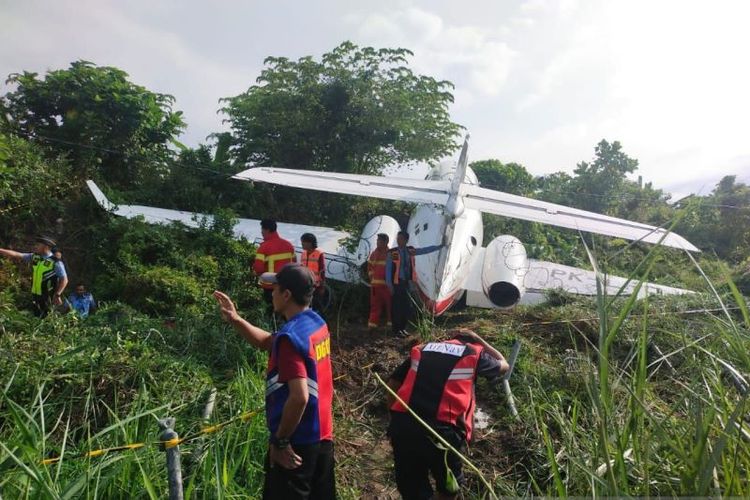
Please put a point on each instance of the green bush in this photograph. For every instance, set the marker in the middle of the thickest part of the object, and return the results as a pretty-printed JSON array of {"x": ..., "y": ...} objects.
[{"x": 162, "y": 290}]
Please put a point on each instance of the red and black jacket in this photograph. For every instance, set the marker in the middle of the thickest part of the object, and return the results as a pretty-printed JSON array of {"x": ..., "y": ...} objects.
[{"x": 439, "y": 385}]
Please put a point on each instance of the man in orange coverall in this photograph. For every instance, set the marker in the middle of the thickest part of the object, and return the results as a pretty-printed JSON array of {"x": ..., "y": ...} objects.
[{"x": 380, "y": 296}]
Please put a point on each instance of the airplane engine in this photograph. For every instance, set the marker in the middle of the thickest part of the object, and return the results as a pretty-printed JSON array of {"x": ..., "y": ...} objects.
[
  {"x": 503, "y": 271},
  {"x": 369, "y": 238}
]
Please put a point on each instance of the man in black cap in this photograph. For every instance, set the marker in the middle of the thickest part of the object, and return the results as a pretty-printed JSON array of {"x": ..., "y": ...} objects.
[
  {"x": 48, "y": 279},
  {"x": 299, "y": 388}
]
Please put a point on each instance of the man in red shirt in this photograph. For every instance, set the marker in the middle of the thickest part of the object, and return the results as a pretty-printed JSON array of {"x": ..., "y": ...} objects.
[
  {"x": 299, "y": 388},
  {"x": 273, "y": 254}
]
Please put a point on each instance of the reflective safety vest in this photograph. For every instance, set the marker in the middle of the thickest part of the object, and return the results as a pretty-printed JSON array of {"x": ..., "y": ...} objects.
[
  {"x": 397, "y": 263},
  {"x": 44, "y": 279},
  {"x": 309, "y": 335},
  {"x": 439, "y": 385},
  {"x": 376, "y": 267},
  {"x": 311, "y": 260},
  {"x": 273, "y": 254}
]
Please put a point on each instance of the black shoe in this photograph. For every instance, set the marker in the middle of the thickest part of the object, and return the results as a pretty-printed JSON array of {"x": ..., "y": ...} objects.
[{"x": 402, "y": 334}]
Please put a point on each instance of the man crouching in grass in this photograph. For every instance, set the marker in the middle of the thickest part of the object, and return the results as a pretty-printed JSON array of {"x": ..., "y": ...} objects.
[{"x": 299, "y": 388}]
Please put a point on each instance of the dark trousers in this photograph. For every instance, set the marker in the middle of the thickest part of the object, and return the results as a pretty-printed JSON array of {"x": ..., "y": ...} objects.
[
  {"x": 416, "y": 456},
  {"x": 319, "y": 300},
  {"x": 314, "y": 479},
  {"x": 401, "y": 307},
  {"x": 41, "y": 305}
]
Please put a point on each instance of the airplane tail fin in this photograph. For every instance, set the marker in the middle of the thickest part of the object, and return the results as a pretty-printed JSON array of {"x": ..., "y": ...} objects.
[
  {"x": 101, "y": 198},
  {"x": 461, "y": 166}
]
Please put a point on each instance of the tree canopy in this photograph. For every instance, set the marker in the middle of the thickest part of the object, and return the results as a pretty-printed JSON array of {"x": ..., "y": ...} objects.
[
  {"x": 106, "y": 125},
  {"x": 358, "y": 110},
  {"x": 510, "y": 178}
]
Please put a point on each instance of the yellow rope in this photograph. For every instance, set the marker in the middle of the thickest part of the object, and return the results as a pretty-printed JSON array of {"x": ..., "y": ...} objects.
[{"x": 245, "y": 417}]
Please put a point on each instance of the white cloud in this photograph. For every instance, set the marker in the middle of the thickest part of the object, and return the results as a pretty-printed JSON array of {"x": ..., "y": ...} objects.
[
  {"x": 665, "y": 78},
  {"x": 472, "y": 57}
]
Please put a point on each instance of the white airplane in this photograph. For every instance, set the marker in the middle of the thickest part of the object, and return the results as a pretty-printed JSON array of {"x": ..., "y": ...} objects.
[{"x": 449, "y": 206}]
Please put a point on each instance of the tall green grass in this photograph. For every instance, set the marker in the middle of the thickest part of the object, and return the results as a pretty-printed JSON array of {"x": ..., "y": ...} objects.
[
  {"x": 632, "y": 403},
  {"x": 70, "y": 387},
  {"x": 648, "y": 424}
]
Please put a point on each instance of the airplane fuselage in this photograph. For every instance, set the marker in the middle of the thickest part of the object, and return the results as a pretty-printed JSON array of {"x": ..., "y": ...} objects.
[{"x": 441, "y": 275}]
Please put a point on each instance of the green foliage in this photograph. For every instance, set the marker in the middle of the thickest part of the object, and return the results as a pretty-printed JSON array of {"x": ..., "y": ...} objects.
[
  {"x": 161, "y": 290},
  {"x": 33, "y": 189},
  {"x": 510, "y": 178},
  {"x": 600, "y": 181},
  {"x": 107, "y": 126},
  {"x": 70, "y": 386},
  {"x": 163, "y": 270},
  {"x": 719, "y": 221},
  {"x": 356, "y": 110}
]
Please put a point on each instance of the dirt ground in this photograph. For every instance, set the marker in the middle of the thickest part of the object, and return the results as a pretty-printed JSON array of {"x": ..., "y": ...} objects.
[{"x": 363, "y": 451}]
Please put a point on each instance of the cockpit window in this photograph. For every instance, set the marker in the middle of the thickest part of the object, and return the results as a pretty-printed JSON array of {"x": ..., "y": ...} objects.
[{"x": 424, "y": 226}]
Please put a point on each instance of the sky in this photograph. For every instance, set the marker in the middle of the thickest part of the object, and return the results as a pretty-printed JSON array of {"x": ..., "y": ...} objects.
[{"x": 536, "y": 82}]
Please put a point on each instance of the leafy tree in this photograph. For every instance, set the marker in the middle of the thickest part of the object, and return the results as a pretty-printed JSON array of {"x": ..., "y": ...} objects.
[
  {"x": 555, "y": 188},
  {"x": 195, "y": 181},
  {"x": 510, "y": 178},
  {"x": 598, "y": 184},
  {"x": 106, "y": 125},
  {"x": 720, "y": 220},
  {"x": 642, "y": 203},
  {"x": 33, "y": 189},
  {"x": 358, "y": 109}
]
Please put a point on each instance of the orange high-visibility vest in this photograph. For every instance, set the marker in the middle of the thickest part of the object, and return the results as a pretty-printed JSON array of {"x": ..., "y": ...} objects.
[
  {"x": 396, "y": 259},
  {"x": 376, "y": 267},
  {"x": 312, "y": 261}
]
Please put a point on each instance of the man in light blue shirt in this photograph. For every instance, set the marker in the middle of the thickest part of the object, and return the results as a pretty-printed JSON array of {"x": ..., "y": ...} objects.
[
  {"x": 82, "y": 301},
  {"x": 49, "y": 277},
  {"x": 399, "y": 273}
]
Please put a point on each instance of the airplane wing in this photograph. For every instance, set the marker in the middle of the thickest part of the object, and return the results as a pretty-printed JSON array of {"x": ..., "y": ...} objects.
[
  {"x": 474, "y": 197},
  {"x": 373, "y": 186},
  {"x": 518, "y": 207},
  {"x": 339, "y": 264},
  {"x": 542, "y": 276},
  {"x": 549, "y": 275}
]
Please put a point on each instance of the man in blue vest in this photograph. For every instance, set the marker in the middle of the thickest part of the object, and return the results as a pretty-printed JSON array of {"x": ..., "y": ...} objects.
[
  {"x": 299, "y": 388},
  {"x": 399, "y": 273},
  {"x": 49, "y": 278}
]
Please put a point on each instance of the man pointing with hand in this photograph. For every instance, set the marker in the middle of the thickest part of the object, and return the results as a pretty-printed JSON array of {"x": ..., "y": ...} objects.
[{"x": 299, "y": 388}]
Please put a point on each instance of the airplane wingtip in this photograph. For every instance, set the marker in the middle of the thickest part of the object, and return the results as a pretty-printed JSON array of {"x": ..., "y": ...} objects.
[
  {"x": 677, "y": 241},
  {"x": 100, "y": 197}
]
